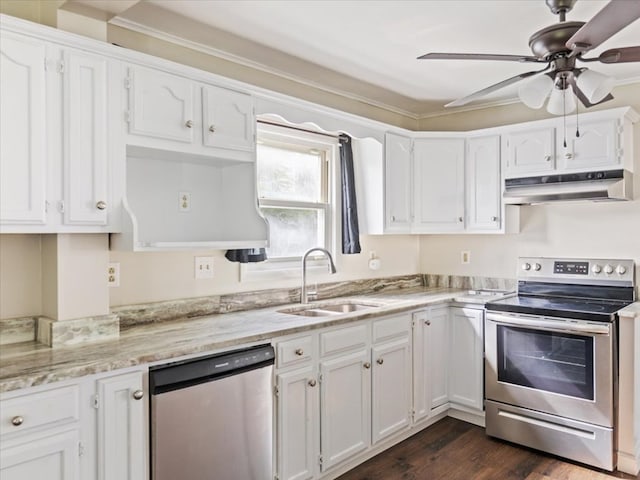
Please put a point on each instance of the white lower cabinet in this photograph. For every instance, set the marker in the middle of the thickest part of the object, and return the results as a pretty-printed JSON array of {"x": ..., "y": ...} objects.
[
  {"x": 430, "y": 362},
  {"x": 466, "y": 359},
  {"x": 122, "y": 434}
]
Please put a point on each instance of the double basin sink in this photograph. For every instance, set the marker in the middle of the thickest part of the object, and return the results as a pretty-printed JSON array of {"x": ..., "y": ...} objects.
[{"x": 328, "y": 309}]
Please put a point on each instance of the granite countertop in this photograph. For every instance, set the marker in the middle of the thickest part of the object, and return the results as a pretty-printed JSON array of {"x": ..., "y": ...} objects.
[{"x": 29, "y": 364}]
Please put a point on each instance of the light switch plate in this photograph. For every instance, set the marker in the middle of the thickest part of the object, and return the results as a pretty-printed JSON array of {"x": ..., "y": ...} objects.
[
  {"x": 465, "y": 256},
  {"x": 203, "y": 267}
]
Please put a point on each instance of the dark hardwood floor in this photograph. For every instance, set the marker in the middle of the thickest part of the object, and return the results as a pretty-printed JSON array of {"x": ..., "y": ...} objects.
[{"x": 454, "y": 450}]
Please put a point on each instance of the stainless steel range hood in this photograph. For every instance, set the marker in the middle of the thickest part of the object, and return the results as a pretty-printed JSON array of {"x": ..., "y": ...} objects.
[{"x": 596, "y": 186}]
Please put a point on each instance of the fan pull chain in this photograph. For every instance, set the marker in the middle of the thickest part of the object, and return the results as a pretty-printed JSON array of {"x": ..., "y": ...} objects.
[
  {"x": 564, "y": 114},
  {"x": 577, "y": 119}
]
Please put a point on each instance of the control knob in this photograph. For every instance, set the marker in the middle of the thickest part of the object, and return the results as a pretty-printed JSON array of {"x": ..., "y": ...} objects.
[
  {"x": 537, "y": 267},
  {"x": 596, "y": 269},
  {"x": 621, "y": 269},
  {"x": 526, "y": 266},
  {"x": 608, "y": 269}
]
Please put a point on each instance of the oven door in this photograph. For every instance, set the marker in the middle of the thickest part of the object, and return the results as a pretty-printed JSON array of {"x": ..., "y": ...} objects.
[{"x": 558, "y": 366}]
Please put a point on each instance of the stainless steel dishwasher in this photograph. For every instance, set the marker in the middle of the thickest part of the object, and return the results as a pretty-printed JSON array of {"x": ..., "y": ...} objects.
[{"x": 212, "y": 417}]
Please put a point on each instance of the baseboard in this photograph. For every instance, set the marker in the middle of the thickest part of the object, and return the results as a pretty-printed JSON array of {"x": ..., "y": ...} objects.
[
  {"x": 628, "y": 463},
  {"x": 469, "y": 416}
]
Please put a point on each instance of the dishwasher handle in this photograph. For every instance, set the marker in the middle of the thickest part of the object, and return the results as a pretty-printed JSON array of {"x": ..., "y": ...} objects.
[{"x": 177, "y": 375}]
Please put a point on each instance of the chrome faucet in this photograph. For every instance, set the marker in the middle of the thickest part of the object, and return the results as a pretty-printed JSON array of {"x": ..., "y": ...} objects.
[{"x": 332, "y": 269}]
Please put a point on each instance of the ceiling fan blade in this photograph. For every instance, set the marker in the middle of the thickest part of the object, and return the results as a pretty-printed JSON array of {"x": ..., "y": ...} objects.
[
  {"x": 479, "y": 56},
  {"x": 620, "y": 55},
  {"x": 493, "y": 88},
  {"x": 571, "y": 79},
  {"x": 616, "y": 15}
]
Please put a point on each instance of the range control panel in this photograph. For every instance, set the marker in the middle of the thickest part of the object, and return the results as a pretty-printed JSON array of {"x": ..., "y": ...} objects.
[{"x": 576, "y": 270}]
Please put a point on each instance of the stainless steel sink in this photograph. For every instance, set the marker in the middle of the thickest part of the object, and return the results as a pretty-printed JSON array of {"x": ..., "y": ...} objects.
[{"x": 327, "y": 309}]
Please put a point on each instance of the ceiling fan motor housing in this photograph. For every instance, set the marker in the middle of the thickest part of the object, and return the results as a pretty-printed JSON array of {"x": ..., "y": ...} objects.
[
  {"x": 560, "y": 6},
  {"x": 551, "y": 40}
]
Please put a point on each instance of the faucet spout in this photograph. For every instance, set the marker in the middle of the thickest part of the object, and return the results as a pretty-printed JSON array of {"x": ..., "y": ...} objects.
[{"x": 332, "y": 269}]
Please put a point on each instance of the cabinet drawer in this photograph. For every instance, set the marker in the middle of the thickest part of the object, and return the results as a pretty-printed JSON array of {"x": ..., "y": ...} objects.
[
  {"x": 59, "y": 405},
  {"x": 296, "y": 350},
  {"x": 343, "y": 339},
  {"x": 391, "y": 327}
]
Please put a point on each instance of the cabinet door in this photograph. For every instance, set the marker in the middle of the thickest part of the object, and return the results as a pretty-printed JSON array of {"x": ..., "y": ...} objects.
[
  {"x": 85, "y": 107},
  {"x": 161, "y": 105},
  {"x": 430, "y": 361},
  {"x": 439, "y": 185},
  {"x": 596, "y": 147},
  {"x": 22, "y": 131},
  {"x": 390, "y": 388},
  {"x": 228, "y": 120},
  {"x": 122, "y": 428},
  {"x": 345, "y": 407},
  {"x": 397, "y": 183},
  {"x": 298, "y": 429},
  {"x": 466, "y": 385},
  {"x": 484, "y": 192},
  {"x": 54, "y": 457},
  {"x": 531, "y": 151}
]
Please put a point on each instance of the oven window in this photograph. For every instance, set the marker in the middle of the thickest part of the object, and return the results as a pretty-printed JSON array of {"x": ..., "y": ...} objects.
[{"x": 550, "y": 361}]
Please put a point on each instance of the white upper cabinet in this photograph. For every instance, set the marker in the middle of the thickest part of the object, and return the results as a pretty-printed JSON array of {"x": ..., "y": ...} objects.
[
  {"x": 23, "y": 153},
  {"x": 161, "y": 105},
  {"x": 530, "y": 151},
  {"x": 597, "y": 146},
  {"x": 397, "y": 194},
  {"x": 85, "y": 139},
  {"x": 228, "y": 119},
  {"x": 439, "y": 185},
  {"x": 483, "y": 184}
]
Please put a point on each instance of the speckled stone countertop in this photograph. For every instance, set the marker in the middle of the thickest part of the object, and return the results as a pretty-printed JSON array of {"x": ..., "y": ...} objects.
[{"x": 29, "y": 364}]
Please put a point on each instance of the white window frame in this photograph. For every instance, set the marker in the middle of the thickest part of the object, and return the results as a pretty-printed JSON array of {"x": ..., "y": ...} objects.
[{"x": 290, "y": 267}]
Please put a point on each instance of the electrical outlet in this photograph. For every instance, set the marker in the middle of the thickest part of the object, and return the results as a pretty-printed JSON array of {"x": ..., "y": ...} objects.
[
  {"x": 465, "y": 256},
  {"x": 113, "y": 275},
  {"x": 185, "y": 201},
  {"x": 203, "y": 267}
]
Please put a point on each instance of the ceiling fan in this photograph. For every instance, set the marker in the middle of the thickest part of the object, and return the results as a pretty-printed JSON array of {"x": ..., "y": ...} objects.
[{"x": 560, "y": 46}]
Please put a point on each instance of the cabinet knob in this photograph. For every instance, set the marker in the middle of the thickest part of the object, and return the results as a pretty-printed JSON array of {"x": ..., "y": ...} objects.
[
  {"x": 299, "y": 352},
  {"x": 17, "y": 421},
  {"x": 494, "y": 218},
  {"x": 547, "y": 158},
  {"x": 138, "y": 394},
  {"x": 568, "y": 156},
  {"x": 427, "y": 322},
  {"x": 312, "y": 383},
  {"x": 212, "y": 128},
  {"x": 367, "y": 365},
  {"x": 393, "y": 218},
  {"x": 188, "y": 124},
  {"x": 380, "y": 361},
  {"x": 101, "y": 205},
  {"x": 460, "y": 219}
]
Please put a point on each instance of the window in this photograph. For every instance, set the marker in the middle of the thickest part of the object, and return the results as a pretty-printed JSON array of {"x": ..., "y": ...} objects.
[{"x": 295, "y": 193}]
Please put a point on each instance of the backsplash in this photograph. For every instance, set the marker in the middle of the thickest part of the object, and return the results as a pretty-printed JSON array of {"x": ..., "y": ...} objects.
[{"x": 25, "y": 329}]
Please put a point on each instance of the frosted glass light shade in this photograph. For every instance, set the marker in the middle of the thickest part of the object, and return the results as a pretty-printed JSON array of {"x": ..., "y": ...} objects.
[
  {"x": 556, "y": 105},
  {"x": 594, "y": 85},
  {"x": 534, "y": 92}
]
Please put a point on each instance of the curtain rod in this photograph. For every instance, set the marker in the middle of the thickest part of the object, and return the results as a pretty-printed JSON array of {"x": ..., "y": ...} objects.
[{"x": 332, "y": 135}]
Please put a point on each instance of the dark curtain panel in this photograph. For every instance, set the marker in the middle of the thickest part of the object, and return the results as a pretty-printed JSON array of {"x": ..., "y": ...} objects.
[
  {"x": 246, "y": 255},
  {"x": 350, "y": 229}
]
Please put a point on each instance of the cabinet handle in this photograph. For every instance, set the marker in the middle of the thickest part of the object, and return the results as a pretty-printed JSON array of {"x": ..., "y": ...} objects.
[
  {"x": 312, "y": 383},
  {"x": 101, "y": 205},
  {"x": 427, "y": 322},
  {"x": 367, "y": 365},
  {"x": 547, "y": 158},
  {"x": 212, "y": 128},
  {"x": 568, "y": 156},
  {"x": 188, "y": 124},
  {"x": 138, "y": 394},
  {"x": 299, "y": 352},
  {"x": 380, "y": 361},
  {"x": 494, "y": 219},
  {"x": 17, "y": 421}
]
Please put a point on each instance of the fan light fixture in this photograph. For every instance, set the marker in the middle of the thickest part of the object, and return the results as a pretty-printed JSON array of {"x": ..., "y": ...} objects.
[
  {"x": 594, "y": 85},
  {"x": 561, "y": 101}
]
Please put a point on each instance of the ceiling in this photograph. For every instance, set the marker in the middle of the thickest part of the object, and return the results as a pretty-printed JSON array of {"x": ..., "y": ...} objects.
[{"x": 367, "y": 49}]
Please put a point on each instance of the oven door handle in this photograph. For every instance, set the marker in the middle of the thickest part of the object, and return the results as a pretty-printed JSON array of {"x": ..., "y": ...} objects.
[{"x": 549, "y": 325}]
